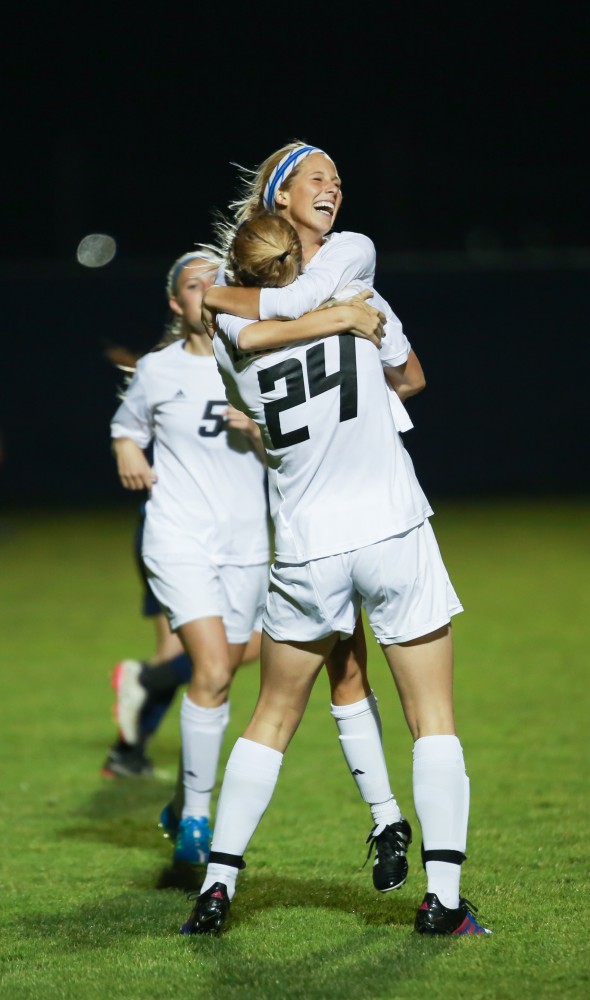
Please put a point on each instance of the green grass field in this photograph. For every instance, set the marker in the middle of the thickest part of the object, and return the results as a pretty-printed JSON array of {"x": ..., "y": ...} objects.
[{"x": 90, "y": 904}]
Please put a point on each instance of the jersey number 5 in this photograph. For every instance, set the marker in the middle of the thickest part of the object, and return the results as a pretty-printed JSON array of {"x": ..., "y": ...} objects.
[
  {"x": 292, "y": 371},
  {"x": 213, "y": 418}
]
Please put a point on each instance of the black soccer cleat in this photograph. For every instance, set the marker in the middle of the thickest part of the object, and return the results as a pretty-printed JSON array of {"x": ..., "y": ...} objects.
[
  {"x": 209, "y": 913},
  {"x": 434, "y": 918},
  {"x": 125, "y": 761},
  {"x": 390, "y": 867}
]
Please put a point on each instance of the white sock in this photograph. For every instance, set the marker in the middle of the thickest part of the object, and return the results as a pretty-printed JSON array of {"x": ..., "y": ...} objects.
[
  {"x": 221, "y": 873},
  {"x": 359, "y": 730},
  {"x": 374, "y": 706},
  {"x": 248, "y": 784},
  {"x": 441, "y": 799},
  {"x": 201, "y": 733}
]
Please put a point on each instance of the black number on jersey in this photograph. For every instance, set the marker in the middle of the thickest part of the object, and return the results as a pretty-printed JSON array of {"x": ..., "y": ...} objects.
[
  {"x": 292, "y": 371},
  {"x": 210, "y": 417}
]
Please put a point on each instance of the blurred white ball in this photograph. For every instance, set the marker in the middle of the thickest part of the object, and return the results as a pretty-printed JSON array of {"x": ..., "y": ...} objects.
[{"x": 96, "y": 250}]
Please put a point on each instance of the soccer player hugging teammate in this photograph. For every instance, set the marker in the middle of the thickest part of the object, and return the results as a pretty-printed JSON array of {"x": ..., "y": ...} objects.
[{"x": 343, "y": 541}]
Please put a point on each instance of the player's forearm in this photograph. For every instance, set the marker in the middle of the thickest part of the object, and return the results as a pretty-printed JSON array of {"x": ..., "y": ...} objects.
[
  {"x": 125, "y": 445},
  {"x": 270, "y": 334},
  {"x": 407, "y": 379},
  {"x": 133, "y": 468},
  {"x": 233, "y": 299}
]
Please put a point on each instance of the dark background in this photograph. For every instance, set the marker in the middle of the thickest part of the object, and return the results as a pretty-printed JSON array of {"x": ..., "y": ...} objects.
[{"x": 460, "y": 132}]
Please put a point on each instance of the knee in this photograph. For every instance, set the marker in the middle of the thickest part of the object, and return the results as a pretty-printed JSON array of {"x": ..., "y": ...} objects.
[{"x": 212, "y": 679}]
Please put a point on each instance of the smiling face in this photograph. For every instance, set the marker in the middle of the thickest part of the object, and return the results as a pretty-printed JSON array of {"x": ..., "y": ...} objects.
[{"x": 311, "y": 198}]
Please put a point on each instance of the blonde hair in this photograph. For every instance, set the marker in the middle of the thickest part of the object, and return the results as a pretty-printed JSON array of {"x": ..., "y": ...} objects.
[
  {"x": 251, "y": 188},
  {"x": 173, "y": 328},
  {"x": 205, "y": 254},
  {"x": 208, "y": 256},
  {"x": 265, "y": 251}
]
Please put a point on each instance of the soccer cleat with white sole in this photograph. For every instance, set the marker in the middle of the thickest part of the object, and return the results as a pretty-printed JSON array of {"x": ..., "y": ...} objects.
[
  {"x": 391, "y": 842},
  {"x": 131, "y": 697},
  {"x": 127, "y": 762}
]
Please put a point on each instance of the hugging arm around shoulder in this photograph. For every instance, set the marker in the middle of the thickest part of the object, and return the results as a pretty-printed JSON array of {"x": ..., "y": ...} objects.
[
  {"x": 234, "y": 300},
  {"x": 344, "y": 258},
  {"x": 268, "y": 335}
]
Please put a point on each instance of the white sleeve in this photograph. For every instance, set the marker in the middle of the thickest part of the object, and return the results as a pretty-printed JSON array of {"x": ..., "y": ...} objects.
[
  {"x": 395, "y": 349},
  {"x": 347, "y": 257},
  {"x": 401, "y": 417},
  {"x": 395, "y": 346},
  {"x": 133, "y": 418},
  {"x": 232, "y": 326}
]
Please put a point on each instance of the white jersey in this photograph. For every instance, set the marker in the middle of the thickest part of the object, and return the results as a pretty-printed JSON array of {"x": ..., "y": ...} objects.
[
  {"x": 339, "y": 478},
  {"x": 342, "y": 259},
  {"x": 210, "y": 495},
  {"x": 345, "y": 261}
]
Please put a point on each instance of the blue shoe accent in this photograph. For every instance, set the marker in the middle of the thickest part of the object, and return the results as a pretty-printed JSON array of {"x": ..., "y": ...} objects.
[
  {"x": 193, "y": 840},
  {"x": 471, "y": 926},
  {"x": 435, "y": 918},
  {"x": 169, "y": 822}
]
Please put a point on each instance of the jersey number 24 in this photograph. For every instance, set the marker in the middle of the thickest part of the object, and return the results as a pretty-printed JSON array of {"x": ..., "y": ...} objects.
[{"x": 292, "y": 371}]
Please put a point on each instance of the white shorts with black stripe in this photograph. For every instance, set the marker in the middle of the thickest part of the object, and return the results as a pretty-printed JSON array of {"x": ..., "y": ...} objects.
[{"x": 401, "y": 582}]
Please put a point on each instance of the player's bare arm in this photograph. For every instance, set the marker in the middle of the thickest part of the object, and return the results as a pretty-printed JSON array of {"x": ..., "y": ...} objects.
[
  {"x": 135, "y": 472},
  {"x": 233, "y": 299},
  {"x": 208, "y": 317},
  {"x": 360, "y": 301},
  {"x": 407, "y": 379},
  {"x": 355, "y": 316}
]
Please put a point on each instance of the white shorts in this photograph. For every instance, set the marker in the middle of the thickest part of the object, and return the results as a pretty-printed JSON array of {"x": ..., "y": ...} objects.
[
  {"x": 188, "y": 591},
  {"x": 401, "y": 582}
]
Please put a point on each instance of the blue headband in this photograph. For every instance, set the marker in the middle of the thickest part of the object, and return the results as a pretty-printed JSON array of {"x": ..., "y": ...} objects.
[
  {"x": 186, "y": 259},
  {"x": 282, "y": 170}
]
